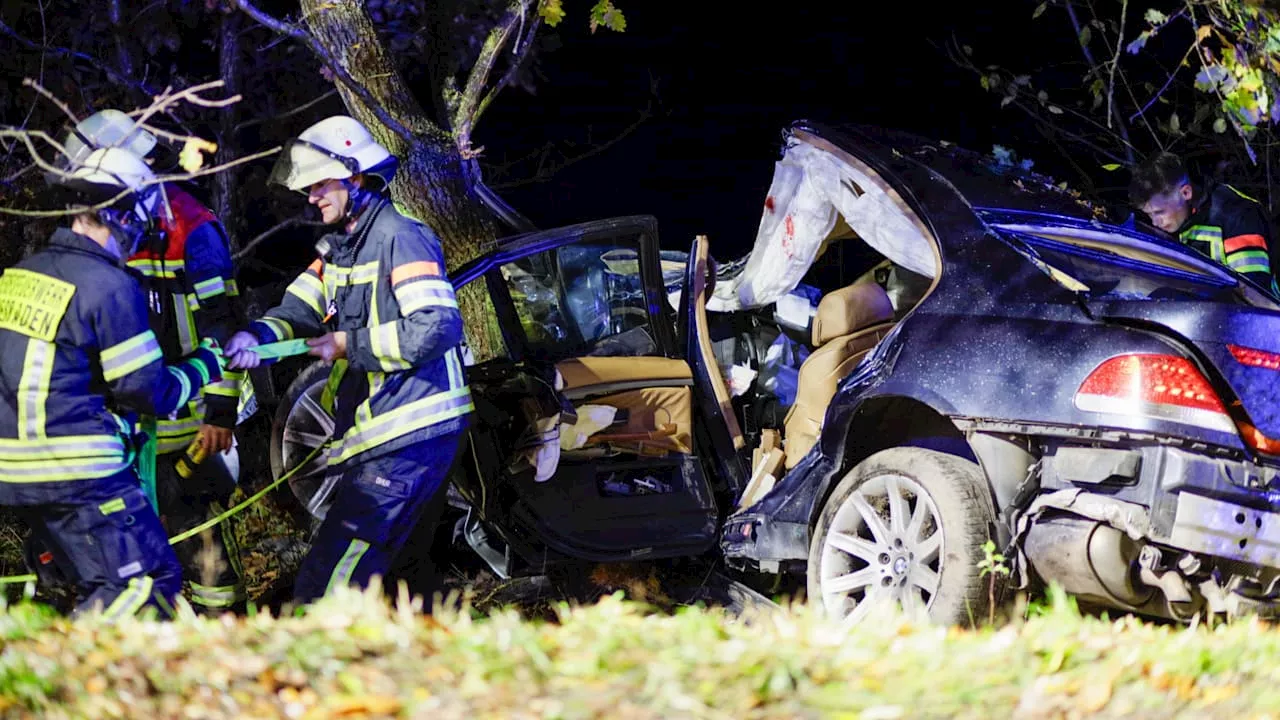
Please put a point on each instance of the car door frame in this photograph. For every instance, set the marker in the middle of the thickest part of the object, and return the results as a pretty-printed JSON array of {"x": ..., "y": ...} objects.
[{"x": 662, "y": 323}]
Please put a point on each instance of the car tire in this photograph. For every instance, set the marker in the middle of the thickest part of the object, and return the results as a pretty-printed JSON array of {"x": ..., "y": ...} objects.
[
  {"x": 299, "y": 420},
  {"x": 935, "y": 513}
]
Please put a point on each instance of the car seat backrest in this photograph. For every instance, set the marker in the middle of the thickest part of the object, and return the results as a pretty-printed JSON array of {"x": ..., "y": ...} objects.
[
  {"x": 849, "y": 322},
  {"x": 850, "y": 309}
]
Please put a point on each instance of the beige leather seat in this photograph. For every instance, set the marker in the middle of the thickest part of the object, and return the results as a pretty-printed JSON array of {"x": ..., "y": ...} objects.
[{"x": 849, "y": 322}]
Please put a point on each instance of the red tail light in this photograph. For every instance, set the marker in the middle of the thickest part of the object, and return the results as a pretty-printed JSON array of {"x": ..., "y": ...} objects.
[
  {"x": 1164, "y": 387},
  {"x": 1255, "y": 358}
]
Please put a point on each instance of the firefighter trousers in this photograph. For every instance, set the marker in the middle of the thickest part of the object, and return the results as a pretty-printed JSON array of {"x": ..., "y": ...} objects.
[
  {"x": 104, "y": 537},
  {"x": 376, "y": 505},
  {"x": 210, "y": 560}
]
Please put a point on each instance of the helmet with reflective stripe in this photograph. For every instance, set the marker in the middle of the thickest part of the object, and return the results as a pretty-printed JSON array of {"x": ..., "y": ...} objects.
[
  {"x": 106, "y": 173},
  {"x": 335, "y": 148}
]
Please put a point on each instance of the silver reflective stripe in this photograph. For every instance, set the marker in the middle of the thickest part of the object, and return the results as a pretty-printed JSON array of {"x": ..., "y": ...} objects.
[
  {"x": 33, "y": 388},
  {"x": 185, "y": 323}
]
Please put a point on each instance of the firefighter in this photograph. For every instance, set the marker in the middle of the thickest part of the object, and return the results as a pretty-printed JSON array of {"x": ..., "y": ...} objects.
[
  {"x": 1218, "y": 220},
  {"x": 376, "y": 304},
  {"x": 188, "y": 279},
  {"x": 79, "y": 361}
]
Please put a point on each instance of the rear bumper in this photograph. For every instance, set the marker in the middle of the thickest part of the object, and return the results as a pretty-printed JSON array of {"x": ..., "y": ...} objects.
[{"x": 1222, "y": 507}]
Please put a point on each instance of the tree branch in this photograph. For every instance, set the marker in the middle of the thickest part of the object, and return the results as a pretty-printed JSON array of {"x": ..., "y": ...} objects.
[
  {"x": 35, "y": 85},
  {"x": 297, "y": 33},
  {"x": 1122, "y": 128},
  {"x": 288, "y": 113},
  {"x": 285, "y": 225},
  {"x": 473, "y": 100},
  {"x": 114, "y": 75}
]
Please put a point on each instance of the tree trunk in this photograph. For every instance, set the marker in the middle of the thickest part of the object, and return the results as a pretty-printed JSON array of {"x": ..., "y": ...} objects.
[
  {"x": 224, "y": 193},
  {"x": 432, "y": 184}
]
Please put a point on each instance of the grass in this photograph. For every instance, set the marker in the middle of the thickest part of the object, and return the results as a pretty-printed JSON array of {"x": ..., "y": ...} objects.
[{"x": 357, "y": 655}]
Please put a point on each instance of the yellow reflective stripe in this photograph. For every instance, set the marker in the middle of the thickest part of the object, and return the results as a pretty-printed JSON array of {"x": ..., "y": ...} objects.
[
  {"x": 233, "y": 290},
  {"x": 280, "y": 328},
  {"x": 74, "y": 468},
  {"x": 453, "y": 363},
  {"x": 405, "y": 419},
  {"x": 212, "y": 287},
  {"x": 61, "y": 448},
  {"x": 415, "y": 295},
  {"x": 384, "y": 343},
  {"x": 33, "y": 389},
  {"x": 211, "y": 596},
  {"x": 346, "y": 567},
  {"x": 1248, "y": 258},
  {"x": 129, "y": 356},
  {"x": 308, "y": 288},
  {"x": 229, "y": 542},
  {"x": 1237, "y": 192},
  {"x": 131, "y": 600},
  {"x": 112, "y": 506},
  {"x": 358, "y": 275},
  {"x": 186, "y": 323},
  {"x": 152, "y": 267}
]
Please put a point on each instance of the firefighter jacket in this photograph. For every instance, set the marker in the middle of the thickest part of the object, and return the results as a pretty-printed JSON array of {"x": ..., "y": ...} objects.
[
  {"x": 79, "y": 359},
  {"x": 187, "y": 276},
  {"x": 1232, "y": 229},
  {"x": 402, "y": 380}
]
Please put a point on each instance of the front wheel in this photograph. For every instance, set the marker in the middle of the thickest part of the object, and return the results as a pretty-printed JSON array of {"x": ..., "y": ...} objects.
[
  {"x": 905, "y": 526},
  {"x": 300, "y": 426}
]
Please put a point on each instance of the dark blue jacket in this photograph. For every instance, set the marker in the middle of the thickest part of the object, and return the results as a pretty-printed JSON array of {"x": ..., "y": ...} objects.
[
  {"x": 77, "y": 359},
  {"x": 385, "y": 285}
]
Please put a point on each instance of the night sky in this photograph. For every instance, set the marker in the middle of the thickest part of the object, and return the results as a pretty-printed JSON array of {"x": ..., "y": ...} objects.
[{"x": 705, "y": 161}]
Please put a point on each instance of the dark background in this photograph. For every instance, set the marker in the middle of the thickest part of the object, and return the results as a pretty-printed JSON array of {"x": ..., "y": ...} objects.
[{"x": 729, "y": 84}]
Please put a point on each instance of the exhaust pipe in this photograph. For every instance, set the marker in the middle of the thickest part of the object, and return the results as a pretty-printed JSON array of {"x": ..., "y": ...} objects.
[{"x": 1088, "y": 559}]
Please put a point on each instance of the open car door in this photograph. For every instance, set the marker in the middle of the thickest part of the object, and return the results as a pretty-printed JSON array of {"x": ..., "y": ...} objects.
[{"x": 586, "y": 444}]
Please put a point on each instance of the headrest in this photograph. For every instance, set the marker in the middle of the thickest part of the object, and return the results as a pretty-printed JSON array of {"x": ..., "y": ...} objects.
[{"x": 850, "y": 309}]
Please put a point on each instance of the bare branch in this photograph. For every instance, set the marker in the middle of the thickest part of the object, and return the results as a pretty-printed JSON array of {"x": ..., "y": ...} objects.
[
  {"x": 518, "y": 53},
  {"x": 28, "y": 82},
  {"x": 168, "y": 98},
  {"x": 112, "y": 74},
  {"x": 1115, "y": 61},
  {"x": 25, "y": 136},
  {"x": 285, "y": 225},
  {"x": 297, "y": 33},
  {"x": 473, "y": 96},
  {"x": 1122, "y": 128},
  {"x": 1176, "y": 69},
  {"x": 288, "y": 113}
]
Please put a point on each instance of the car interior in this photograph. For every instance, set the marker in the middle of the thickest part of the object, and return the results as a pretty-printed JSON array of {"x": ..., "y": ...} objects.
[{"x": 609, "y": 414}]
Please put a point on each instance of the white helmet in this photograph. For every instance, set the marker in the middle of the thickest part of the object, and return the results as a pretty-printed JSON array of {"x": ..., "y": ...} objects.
[
  {"x": 106, "y": 172},
  {"x": 105, "y": 128},
  {"x": 333, "y": 149}
]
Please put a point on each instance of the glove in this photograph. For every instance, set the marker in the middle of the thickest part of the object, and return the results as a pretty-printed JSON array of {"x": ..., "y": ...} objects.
[{"x": 207, "y": 360}]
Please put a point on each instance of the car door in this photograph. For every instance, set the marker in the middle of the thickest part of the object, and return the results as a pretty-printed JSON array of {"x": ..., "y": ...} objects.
[{"x": 585, "y": 445}]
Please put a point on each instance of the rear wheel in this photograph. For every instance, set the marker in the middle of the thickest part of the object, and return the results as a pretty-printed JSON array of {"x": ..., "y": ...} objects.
[
  {"x": 300, "y": 426},
  {"x": 905, "y": 526}
]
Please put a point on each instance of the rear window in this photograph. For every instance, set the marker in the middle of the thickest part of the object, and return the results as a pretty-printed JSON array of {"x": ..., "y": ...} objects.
[{"x": 1109, "y": 274}]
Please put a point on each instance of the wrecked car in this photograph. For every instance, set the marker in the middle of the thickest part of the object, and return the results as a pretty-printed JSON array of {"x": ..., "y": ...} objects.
[{"x": 924, "y": 350}]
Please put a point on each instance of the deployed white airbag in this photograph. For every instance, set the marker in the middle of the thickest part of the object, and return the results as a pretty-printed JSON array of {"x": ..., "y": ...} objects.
[{"x": 811, "y": 189}]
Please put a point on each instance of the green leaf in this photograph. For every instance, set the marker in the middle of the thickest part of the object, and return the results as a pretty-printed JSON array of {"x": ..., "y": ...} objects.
[
  {"x": 1175, "y": 125},
  {"x": 1111, "y": 166},
  {"x": 986, "y": 85},
  {"x": 1055, "y": 109},
  {"x": 1039, "y": 9},
  {"x": 551, "y": 11},
  {"x": 604, "y": 13},
  {"x": 1220, "y": 125},
  {"x": 1085, "y": 35},
  {"x": 1155, "y": 17}
]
